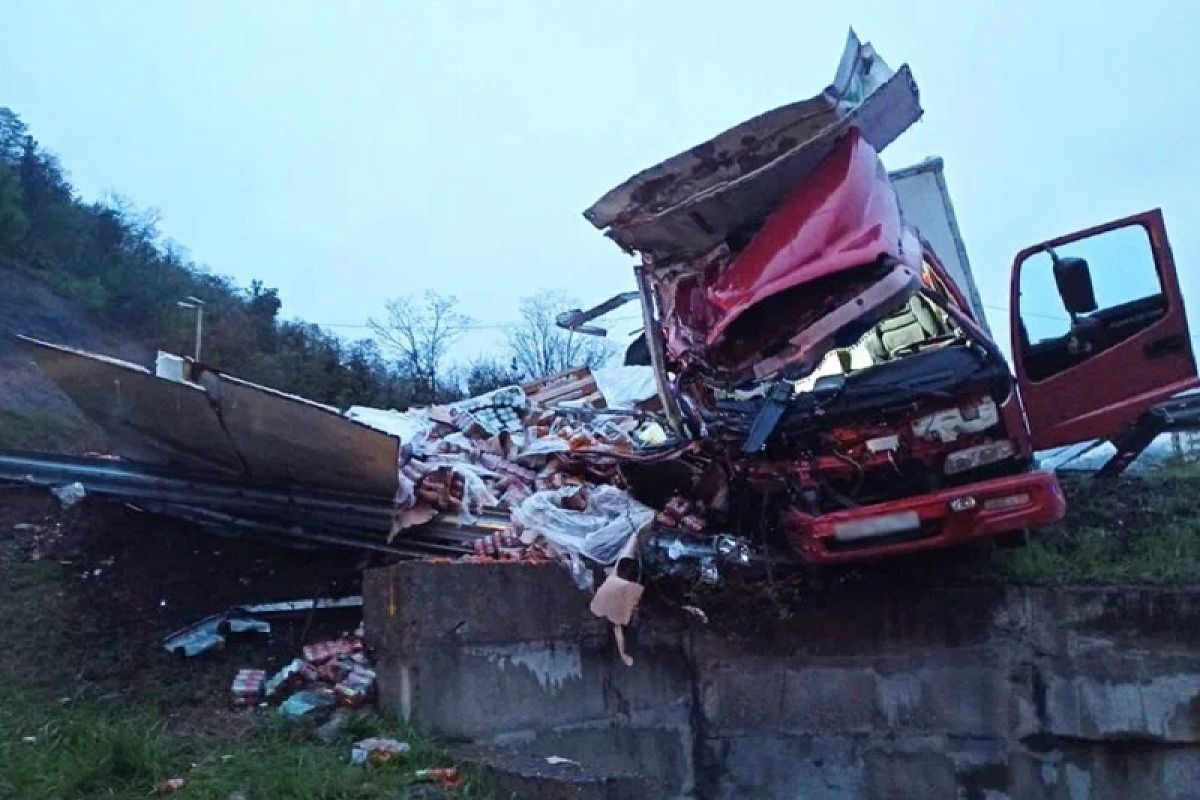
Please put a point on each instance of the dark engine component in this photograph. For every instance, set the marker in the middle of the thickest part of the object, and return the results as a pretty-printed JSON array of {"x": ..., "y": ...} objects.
[{"x": 947, "y": 373}]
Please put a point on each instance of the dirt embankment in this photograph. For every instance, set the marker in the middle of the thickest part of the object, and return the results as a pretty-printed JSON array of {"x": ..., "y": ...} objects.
[
  {"x": 129, "y": 578},
  {"x": 34, "y": 414}
]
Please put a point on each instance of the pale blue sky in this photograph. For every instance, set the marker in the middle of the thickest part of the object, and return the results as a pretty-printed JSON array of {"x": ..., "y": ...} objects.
[{"x": 350, "y": 155}]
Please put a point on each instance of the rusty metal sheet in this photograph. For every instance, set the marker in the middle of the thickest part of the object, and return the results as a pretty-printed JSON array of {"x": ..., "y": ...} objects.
[
  {"x": 690, "y": 203},
  {"x": 287, "y": 440},
  {"x": 149, "y": 419}
]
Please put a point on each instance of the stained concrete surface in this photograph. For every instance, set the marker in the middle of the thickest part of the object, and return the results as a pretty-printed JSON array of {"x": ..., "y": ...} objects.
[{"x": 977, "y": 693}]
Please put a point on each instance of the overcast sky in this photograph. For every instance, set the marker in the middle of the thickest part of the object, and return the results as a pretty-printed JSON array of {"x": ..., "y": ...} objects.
[{"x": 350, "y": 155}]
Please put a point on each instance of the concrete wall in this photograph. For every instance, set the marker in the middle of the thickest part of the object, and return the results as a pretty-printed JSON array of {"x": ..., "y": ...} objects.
[{"x": 974, "y": 693}]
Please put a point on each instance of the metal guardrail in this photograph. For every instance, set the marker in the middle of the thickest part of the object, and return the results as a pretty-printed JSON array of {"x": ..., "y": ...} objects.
[{"x": 297, "y": 516}]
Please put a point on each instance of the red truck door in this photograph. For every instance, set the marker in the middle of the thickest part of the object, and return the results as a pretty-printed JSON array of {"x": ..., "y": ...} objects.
[{"x": 1099, "y": 333}]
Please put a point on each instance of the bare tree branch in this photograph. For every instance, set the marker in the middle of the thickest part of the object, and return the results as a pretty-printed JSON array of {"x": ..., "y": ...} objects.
[
  {"x": 420, "y": 333},
  {"x": 539, "y": 347}
]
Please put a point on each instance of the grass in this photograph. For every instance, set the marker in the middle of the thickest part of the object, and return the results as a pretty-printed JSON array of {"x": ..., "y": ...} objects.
[
  {"x": 69, "y": 729},
  {"x": 69, "y": 753},
  {"x": 94, "y": 752},
  {"x": 1138, "y": 529}
]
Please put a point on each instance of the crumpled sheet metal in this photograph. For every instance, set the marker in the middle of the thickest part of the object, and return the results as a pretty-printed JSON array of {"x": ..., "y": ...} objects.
[
  {"x": 287, "y": 440},
  {"x": 689, "y": 204},
  {"x": 149, "y": 419},
  {"x": 223, "y": 426},
  {"x": 210, "y": 632}
]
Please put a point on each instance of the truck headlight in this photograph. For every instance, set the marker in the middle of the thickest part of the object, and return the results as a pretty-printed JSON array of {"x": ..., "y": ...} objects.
[{"x": 977, "y": 456}]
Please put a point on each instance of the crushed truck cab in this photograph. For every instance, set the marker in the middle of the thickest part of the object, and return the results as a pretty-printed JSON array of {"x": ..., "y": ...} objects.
[{"x": 839, "y": 380}]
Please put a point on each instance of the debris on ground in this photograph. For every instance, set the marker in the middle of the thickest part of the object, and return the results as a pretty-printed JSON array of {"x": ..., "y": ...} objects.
[
  {"x": 306, "y": 703},
  {"x": 317, "y": 604},
  {"x": 547, "y": 471},
  {"x": 69, "y": 494},
  {"x": 446, "y": 777},
  {"x": 171, "y": 785},
  {"x": 321, "y": 652},
  {"x": 377, "y": 751},
  {"x": 295, "y": 675},
  {"x": 211, "y": 632},
  {"x": 247, "y": 688},
  {"x": 330, "y": 674}
]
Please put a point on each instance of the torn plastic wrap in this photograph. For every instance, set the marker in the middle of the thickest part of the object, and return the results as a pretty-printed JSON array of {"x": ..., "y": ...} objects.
[
  {"x": 476, "y": 494},
  {"x": 412, "y": 426},
  {"x": 625, "y": 387},
  {"x": 600, "y": 531}
]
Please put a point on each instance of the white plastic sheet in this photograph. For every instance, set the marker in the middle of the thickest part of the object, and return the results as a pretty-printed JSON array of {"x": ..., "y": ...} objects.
[
  {"x": 600, "y": 532},
  {"x": 624, "y": 387},
  {"x": 411, "y": 426}
]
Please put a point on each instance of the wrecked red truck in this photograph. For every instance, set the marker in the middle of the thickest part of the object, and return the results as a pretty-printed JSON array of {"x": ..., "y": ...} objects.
[
  {"x": 823, "y": 387},
  {"x": 844, "y": 389}
]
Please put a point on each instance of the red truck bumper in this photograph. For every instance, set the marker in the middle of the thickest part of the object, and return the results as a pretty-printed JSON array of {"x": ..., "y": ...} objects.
[{"x": 941, "y": 519}]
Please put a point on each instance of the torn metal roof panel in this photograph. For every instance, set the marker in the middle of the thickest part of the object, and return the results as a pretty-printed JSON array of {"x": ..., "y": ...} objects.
[
  {"x": 692, "y": 202},
  {"x": 222, "y": 426},
  {"x": 285, "y": 440},
  {"x": 150, "y": 419}
]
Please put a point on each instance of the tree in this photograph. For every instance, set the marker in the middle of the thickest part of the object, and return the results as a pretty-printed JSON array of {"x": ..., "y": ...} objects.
[
  {"x": 539, "y": 347},
  {"x": 420, "y": 333},
  {"x": 486, "y": 373},
  {"x": 263, "y": 304},
  {"x": 13, "y": 222},
  {"x": 13, "y": 134}
]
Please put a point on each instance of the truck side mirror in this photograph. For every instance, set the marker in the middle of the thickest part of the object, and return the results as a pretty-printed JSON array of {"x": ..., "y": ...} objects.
[{"x": 1074, "y": 281}]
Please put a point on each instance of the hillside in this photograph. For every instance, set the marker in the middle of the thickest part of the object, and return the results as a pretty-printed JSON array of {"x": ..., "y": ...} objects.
[
  {"x": 34, "y": 414},
  {"x": 98, "y": 275}
]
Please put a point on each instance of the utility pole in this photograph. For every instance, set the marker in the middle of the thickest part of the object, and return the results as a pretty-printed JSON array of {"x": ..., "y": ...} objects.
[{"x": 198, "y": 304}]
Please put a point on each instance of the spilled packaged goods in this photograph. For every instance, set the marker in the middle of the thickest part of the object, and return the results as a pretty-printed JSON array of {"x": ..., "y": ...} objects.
[
  {"x": 328, "y": 675},
  {"x": 247, "y": 688}
]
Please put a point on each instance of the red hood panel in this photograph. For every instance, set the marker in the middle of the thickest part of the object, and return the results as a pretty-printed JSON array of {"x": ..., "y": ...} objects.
[{"x": 844, "y": 215}]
